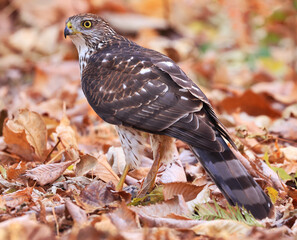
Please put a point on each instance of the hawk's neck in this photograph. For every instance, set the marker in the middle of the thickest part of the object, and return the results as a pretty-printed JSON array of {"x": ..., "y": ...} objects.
[{"x": 84, "y": 51}]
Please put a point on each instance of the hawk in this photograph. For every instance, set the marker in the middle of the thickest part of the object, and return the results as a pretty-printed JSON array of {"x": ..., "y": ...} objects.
[{"x": 141, "y": 90}]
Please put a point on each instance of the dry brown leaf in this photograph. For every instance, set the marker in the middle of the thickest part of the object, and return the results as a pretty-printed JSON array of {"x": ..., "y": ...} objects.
[
  {"x": 68, "y": 138},
  {"x": 92, "y": 233},
  {"x": 28, "y": 37},
  {"x": 172, "y": 172},
  {"x": 78, "y": 215},
  {"x": 25, "y": 227},
  {"x": 15, "y": 170},
  {"x": 161, "y": 214},
  {"x": 26, "y": 135},
  {"x": 45, "y": 174},
  {"x": 279, "y": 233},
  {"x": 252, "y": 103},
  {"x": 104, "y": 171},
  {"x": 86, "y": 163},
  {"x": 17, "y": 198},
  {"x": 53, "y": 108},
  {"x": 285, "y": 128},
  {"x": 124, "y": 218},
  {"x": 187, "y": 190},
  {"x": 225, "y": 229},
  {"x": 175, "y": 205},
  {"x": 103, "y": 223},
  {"x": 46, "y": 84},
  {"x": 97, "y": 195},
  {"x": 284, "y": 92}
]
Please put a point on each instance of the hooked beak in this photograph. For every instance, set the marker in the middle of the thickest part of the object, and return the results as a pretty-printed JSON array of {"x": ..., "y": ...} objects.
[{"x": 69, "y": 30}]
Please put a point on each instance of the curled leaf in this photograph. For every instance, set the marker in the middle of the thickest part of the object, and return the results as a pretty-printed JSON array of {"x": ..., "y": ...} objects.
[
  {"x": 86, "y": 163},
  {"x": 26, "y": 135},
  {"x": 68, "y": 138}
]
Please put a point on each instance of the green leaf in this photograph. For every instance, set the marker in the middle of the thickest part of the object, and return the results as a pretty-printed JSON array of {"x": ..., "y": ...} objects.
[
  {"x": 282, "y": 173},
  {"x": 3, "y": 172},
  {"x": 266, "y": 159}
]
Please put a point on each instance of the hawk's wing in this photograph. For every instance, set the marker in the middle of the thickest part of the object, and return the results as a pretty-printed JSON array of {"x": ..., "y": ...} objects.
[{"x": 144, "y": 89}]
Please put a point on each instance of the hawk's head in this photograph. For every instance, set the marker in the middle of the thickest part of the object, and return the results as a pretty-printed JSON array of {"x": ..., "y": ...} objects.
[{"x": 88, "y": 30}]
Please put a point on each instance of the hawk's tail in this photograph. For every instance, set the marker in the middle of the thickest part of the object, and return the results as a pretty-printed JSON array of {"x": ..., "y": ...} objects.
[{"x": 234, "y": 181}]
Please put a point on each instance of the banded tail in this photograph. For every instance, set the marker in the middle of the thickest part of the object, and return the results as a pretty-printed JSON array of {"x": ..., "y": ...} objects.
[{"x": 234, "y": 181}]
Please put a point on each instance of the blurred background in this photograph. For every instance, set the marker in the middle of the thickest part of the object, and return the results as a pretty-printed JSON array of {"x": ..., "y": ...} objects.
[{"x": 242, "y": 53}]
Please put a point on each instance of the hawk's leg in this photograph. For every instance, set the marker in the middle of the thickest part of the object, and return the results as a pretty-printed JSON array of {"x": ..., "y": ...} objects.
[
  {"x": 120, "y": 185},
  {"x": 133, "y": 144},
  {"x": 163, "y": 152}
]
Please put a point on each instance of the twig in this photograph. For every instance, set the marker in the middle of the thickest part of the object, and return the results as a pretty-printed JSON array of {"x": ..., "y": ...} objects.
[
  {"x": 55, "y": 157},
  {"x": 56, "y": 220},
  {"x": 59, "y": 140}
]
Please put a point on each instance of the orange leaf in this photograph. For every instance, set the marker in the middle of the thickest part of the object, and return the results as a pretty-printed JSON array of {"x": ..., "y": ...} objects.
[
  {"x": 187, "y": 190},
  {"x": 104, "y": 171},
  {"x": 68, "y": 137},
  {"x": 252, "y": 103},
  {"x": 26, "y": 135},
  {"x": 15, "y": 170}
]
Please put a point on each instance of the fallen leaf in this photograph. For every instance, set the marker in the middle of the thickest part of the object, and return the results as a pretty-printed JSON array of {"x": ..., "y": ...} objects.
[
  {"x": 17, "y": 198},
  {"x": 160, "y": 214},
  {"x": 290, "y": 153},
  {"x": 124, "y": 218},
  {"x": 92, "y": 233},
  {"x": 97, "y": 195},
  {"x": 187, "y": 190},
  {"x": 15, "y": 170},
  {"x": 105, "y": 224},
  {"x": 173, "y": 172},
  {"x": 26, "y": 135},
  {"x": 28, "y": 37},
  {"x": 273, "y": 194},
  {"x": 53, "y": 108},
  {"x": 225, "y": 229},
  {"x": 25, "y": 227},
  {"x": 104, "y": 171},
  {"x": 78, "y": 215},
  {"x": 68, "y": 137},
  {"x": 285, "y": 128},
  {"x": 86, "y": 163},
  {"x": 252, "y": 103},
  {"x": 45, "y": 174}
]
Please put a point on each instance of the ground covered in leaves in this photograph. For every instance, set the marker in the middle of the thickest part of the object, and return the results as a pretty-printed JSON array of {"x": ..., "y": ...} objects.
[{"x": 59, "y": 162}]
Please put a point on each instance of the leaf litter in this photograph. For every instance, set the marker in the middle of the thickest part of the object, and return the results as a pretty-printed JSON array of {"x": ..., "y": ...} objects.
[{"x": 60, "y": 163}]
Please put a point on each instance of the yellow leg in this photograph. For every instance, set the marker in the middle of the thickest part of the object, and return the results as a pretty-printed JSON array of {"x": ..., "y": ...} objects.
[{"x": 120, "y": 185}]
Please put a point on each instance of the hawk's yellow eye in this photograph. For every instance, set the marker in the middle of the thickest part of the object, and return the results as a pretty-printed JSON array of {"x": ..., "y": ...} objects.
[{"x": 87, "y": 24}]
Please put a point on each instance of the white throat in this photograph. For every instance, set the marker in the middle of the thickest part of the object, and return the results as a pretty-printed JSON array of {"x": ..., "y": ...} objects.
[{"x": 84, "y": 52}]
